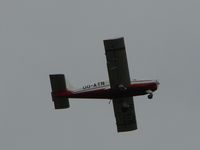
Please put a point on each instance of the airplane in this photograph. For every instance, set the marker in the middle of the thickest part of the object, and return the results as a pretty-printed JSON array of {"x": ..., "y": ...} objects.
[{"x": 120, "y": 89}]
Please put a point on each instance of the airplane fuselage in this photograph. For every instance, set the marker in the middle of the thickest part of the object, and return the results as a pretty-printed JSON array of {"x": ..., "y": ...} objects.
[{"x": 102, "y": 90}]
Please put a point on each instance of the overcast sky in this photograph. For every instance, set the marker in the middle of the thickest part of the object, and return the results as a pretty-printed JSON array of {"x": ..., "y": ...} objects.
[{"x": 41, "y": 37}]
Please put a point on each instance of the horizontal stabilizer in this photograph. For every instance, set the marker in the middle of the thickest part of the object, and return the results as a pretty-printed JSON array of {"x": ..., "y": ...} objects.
[{"x": 58, "y": 84}]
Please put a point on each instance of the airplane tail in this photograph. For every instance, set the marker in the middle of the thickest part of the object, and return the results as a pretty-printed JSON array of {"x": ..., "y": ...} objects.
[{"x": 58, "y": 84}]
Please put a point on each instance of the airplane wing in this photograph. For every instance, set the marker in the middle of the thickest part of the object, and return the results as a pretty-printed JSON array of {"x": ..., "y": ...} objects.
[{"x": 119, "y": 77}]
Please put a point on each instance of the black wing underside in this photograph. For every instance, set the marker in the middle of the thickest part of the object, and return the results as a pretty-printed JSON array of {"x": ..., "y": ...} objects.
[
  {"x": 119, "y": 76},
  {"x": 125, "y": 116}
]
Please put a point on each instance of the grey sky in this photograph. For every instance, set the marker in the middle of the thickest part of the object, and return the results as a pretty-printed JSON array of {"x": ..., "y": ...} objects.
[{"x": 46, "y": 36}]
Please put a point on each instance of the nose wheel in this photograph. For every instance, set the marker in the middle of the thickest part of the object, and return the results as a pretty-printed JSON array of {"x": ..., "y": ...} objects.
[{"x": 150, "y": 96}]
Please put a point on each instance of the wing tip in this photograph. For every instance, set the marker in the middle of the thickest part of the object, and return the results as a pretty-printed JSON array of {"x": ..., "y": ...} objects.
[
  {"x": 114, "y": 44},
  {"x": 126, "y": 128}
]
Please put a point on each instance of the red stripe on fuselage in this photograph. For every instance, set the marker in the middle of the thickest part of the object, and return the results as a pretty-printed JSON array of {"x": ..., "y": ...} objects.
[{"x": 134, "y": 89}]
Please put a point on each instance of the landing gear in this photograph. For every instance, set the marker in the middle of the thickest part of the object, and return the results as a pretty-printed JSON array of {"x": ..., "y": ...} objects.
[
  {"x": 150, "y": 96},
  {"x": 122, "y": 87}
]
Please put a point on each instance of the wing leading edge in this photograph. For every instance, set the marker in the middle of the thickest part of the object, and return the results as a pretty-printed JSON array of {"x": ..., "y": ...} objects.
[{"x": 119, "y": 76}]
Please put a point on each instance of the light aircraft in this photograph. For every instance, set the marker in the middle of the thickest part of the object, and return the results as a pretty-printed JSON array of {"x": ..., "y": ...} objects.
[{"x": 120, "y": 89}]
